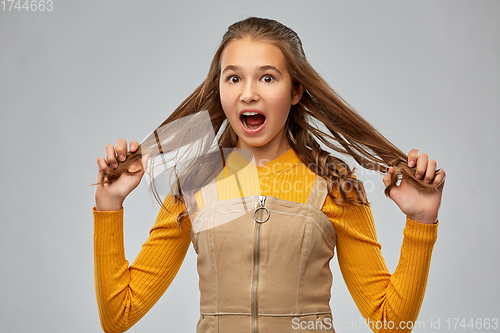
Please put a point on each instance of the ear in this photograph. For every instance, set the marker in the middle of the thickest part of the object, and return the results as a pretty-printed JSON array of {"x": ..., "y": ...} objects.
[{"x": 297, "y": 94}]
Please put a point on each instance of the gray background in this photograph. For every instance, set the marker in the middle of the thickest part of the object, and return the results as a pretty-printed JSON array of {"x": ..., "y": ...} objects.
[{"x": 425, "y": 73}]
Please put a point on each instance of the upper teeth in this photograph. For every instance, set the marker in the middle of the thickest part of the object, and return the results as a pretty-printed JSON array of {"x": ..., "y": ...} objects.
[{"x": 249, "y": 113}]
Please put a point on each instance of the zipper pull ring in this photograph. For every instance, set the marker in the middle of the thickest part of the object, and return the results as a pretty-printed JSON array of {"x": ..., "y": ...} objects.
[{"x": 262, "y": 201}]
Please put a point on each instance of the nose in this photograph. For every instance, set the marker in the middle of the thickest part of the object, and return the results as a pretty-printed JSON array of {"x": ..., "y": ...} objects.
[{"x": 249, "y": 93}]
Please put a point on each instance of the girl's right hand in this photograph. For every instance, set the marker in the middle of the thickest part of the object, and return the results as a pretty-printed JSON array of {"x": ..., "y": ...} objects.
[{"x": 110, "y": 197}]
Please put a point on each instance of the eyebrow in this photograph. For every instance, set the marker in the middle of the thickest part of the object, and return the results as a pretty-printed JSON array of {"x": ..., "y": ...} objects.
[{"x": 261, "y": 68}]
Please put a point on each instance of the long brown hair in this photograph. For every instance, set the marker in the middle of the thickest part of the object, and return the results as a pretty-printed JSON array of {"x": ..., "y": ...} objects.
[{"x": 347, "y": 132}]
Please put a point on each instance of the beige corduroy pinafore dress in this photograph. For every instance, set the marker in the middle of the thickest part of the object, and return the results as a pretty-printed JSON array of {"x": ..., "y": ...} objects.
[{"x": 263, "y": 263}]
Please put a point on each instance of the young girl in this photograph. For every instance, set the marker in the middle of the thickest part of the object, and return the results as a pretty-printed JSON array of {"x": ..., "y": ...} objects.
[{"x": 266, "y": 229}]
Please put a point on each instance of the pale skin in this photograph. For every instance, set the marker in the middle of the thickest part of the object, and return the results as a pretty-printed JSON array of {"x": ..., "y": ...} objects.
[{"x": 254, "y": 74}]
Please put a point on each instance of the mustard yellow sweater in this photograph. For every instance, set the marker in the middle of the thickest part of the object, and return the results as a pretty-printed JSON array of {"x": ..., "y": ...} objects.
[{"x": 125, "y": 293}]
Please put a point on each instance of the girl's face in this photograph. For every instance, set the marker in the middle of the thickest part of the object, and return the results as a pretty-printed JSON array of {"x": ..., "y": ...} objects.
[{"x": 256, "y": 92}]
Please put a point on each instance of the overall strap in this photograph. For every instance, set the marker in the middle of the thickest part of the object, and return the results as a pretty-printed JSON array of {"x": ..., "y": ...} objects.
[
  {"x": 209, "y": 193},
  {"x": 318, "y": 193}
]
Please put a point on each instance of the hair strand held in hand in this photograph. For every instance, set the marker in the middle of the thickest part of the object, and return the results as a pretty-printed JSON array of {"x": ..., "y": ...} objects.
[{"x": 123, "y": 167}]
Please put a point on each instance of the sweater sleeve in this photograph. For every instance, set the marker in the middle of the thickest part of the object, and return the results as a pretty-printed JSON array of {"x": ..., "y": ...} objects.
[
  {"x": 126, "y": 293},
  {"x": 381, "y": 297}
]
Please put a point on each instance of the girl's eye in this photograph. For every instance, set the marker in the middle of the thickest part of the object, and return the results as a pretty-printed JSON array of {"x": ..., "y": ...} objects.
[
  {"x": 268, "y": 78},
  {"x": 233, "y": 79}
]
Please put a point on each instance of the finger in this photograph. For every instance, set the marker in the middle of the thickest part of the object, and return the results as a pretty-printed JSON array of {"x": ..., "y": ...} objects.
[
  {"x": 430, "y": 173},
  {"x": 145, "y": 160},
  {"x": 421, "y": 165},
  {"x": 388, "y": 176},
  {"x": 440, "y": 178},
  {"x": 412, "y": 157},
  {"x": 121, "y": 149},
  {"x": 110, "y": 156},
  {"x": 100, "y": 177},
  {"x": 137, "y": 164},
  {"x": 133, "y": 146},
  {"x": 101, "y": 163}
]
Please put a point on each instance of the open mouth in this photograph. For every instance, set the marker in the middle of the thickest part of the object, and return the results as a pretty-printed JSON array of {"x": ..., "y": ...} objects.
[{"x": 252, "y": 120}]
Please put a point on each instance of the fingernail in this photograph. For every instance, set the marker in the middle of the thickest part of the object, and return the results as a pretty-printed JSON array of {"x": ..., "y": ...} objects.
[
  {"x": 122, "y": 158},
  {"x": 411, "y": 164},
  {"x": 417, "y": 175},
  {"x": 114, "y": 165}
]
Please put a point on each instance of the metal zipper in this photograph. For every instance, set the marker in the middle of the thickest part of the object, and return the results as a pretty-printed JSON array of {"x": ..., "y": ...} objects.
[{"x": 259, "y": 221}]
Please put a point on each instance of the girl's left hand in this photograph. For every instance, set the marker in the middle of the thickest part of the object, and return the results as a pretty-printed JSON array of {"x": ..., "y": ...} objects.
[{"x": 418, "y": 205}]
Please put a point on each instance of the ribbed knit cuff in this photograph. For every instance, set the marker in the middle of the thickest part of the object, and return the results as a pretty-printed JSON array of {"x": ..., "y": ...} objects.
[
  {"x": 418, "y": 243},
  {"x": 107, "y": 215},
  {"x": 108, "y": 234},
  {"x": 421, "y": 232}
]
